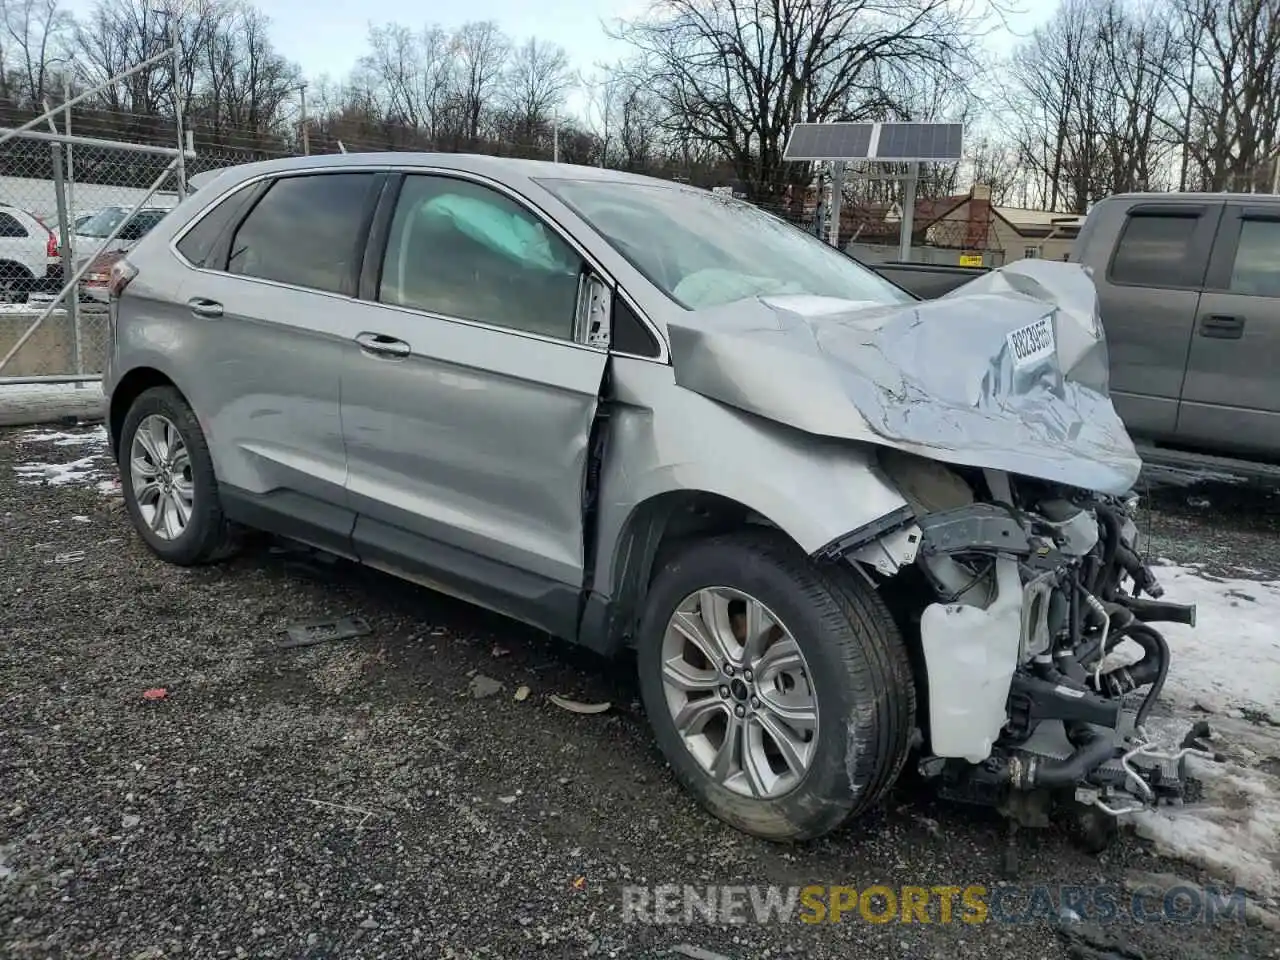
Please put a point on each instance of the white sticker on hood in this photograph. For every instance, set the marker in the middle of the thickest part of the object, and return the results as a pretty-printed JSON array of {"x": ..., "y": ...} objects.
[{"x": 1032, "y": 343}]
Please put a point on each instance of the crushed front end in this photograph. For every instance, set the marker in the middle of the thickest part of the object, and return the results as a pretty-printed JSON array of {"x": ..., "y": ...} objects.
[{"x": 1026, "y": 589}]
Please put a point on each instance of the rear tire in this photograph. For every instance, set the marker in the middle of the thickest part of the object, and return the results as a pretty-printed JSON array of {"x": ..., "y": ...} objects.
[
  {"x": 195, "y": 531},
  {"x": 16, "y": 283},
  {"x": 855, "y": 670}
]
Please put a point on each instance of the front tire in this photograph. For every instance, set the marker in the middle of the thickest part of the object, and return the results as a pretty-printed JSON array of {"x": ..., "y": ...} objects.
[
  {"x": 780, "y": 692},
  {"x": 168, "y": 482}
]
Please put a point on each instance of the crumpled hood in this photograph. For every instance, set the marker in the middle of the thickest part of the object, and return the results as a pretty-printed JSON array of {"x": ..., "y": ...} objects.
[{"x": 972, "y": 378}]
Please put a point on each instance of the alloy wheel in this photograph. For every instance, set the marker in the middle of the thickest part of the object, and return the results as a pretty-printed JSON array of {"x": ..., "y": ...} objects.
[
  {"x": 740, "y": 692},
  {"x": 160, "y": 468}
]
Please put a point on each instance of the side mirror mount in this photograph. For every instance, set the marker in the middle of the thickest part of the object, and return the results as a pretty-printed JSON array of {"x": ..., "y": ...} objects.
[{"x": 595, "y": 303}]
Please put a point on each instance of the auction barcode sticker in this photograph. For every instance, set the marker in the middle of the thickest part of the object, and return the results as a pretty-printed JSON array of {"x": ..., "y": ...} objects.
[{"x": 1032, "y": 343}]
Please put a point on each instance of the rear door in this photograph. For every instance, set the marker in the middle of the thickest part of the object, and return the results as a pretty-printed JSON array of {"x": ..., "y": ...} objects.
[
  {"x": 275, "y": 267},
  {"x": 1231, "y": 398},
  {"x": 1150, "y": 294},
  {"x": 469, "y": 393}
]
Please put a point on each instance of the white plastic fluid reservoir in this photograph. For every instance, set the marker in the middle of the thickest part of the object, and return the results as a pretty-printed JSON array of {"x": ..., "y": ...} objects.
[{"x": 971, "y": 654}]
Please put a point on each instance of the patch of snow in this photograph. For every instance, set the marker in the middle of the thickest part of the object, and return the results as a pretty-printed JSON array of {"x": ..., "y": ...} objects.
[
  {"x": 1231, "y": 658},
  {"x": 1233, "y": 832},
  {"x": 1229, "y": 666},
  {"x": 80, "y": 471},
  {"x": 96, "y": 437}
]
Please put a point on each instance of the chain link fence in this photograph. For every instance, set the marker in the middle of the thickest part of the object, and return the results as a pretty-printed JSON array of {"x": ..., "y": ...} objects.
[{"x": 69, "y": 206}]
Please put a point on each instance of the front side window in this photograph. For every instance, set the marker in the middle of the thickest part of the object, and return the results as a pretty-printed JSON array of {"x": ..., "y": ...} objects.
[
  {"x": 460, "y": 249},
  {"x": 702, "y": 249},
  {"x": 1256, "y": 270},
  {"x": 305, "y": 231}
]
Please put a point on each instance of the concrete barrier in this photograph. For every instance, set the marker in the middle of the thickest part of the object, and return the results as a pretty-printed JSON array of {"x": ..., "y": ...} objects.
[
  {"x": 32, "y": 404},
  {"x": 51, "y": 349}
]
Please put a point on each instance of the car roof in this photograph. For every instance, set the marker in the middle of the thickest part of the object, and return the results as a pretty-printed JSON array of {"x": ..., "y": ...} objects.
[{"x": 505, "y": 169}]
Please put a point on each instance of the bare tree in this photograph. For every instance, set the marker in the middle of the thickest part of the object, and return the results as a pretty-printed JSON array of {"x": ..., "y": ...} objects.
[
  {"x": 536, "y": 82},
  {"x": 35, "y": 32},
  {"x": 1057, "y": 95},
  {"x": 736, "y": 74},
  {"x": 413, "y": 74},
  {"x": 482, "y": 51},
  {"x": 605, "y": 89},
  {"x": 992, "y": 163},
  {"x": 248, "y": 81},
  {"x": 1234, "y": 91}
]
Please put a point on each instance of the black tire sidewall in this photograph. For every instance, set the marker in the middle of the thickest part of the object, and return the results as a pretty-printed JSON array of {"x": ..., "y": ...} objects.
[
  {"x": 17, "y": 284},
  {"x": 204, "y": 530},
  {"x": 851, "y": 712}
]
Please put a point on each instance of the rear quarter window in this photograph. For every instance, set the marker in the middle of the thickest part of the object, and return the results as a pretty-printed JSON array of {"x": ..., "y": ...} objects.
[{"x": 200, "y": 244}]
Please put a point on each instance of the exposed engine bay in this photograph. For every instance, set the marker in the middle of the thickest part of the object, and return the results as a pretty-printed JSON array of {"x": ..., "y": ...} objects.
[{"x": 1028, "y": 589}]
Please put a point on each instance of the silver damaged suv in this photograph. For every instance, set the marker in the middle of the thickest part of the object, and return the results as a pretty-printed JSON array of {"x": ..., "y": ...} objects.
[{"x": 839, "y": 526}]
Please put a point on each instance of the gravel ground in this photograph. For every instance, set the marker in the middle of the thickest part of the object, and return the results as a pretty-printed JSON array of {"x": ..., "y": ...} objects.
[{"x": 358, "y": 799}]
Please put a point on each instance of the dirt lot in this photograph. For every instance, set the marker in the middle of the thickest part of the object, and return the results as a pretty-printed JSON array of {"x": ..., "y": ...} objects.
[{"x": 361, "y": 799}]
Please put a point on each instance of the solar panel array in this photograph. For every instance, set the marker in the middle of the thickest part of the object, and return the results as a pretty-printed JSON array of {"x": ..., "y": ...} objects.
[
  {"x": 829, "y": 141},
  {"x": 900, "y": 142}
]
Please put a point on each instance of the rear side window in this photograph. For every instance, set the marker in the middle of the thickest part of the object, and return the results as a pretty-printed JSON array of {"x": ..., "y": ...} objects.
[
  {"x": 10, "y": 227},
  {"x": 1256, "y": 270},
  {"x": 1154, "y": 250},
  {"x": 306, "y": 231}
]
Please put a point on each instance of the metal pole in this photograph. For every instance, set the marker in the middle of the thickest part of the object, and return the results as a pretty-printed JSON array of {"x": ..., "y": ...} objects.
[
  {"x": 180, "y": 169},
  {"x": 68, "y": 230},
  {"x": 908, "y": 211},
  {"x": 96, "y": 142},
  {"x": 66, "y": 114},
  {"x": 68, "y": 261},
  {"x": 7, "y": 135},
  {"x": 306, "y": 134},
  {"x": 555, "y": 138},
  {"x": 1186, "y": 121},
  {"x": 837, "y": 190}
]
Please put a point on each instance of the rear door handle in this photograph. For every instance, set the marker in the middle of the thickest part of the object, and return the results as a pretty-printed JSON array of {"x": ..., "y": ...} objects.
[
  {"x": 381, "y": 345},
  {"x": 1220, "y": 327},
  {"x": 203, "y": 307}
]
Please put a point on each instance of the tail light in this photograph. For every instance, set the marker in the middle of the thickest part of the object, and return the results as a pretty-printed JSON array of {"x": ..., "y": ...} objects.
[
  {"x": 51, "y": 247},
  {"x": 122, "y": 272},
  {"x": 99, "y": 272}
]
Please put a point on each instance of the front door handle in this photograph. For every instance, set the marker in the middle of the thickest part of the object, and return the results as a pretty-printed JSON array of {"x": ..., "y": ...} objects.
[
  {"x": 1220, "y": 327},
  {"x": 204, "y": 307},
  {"x": 381, "y": 345}
]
